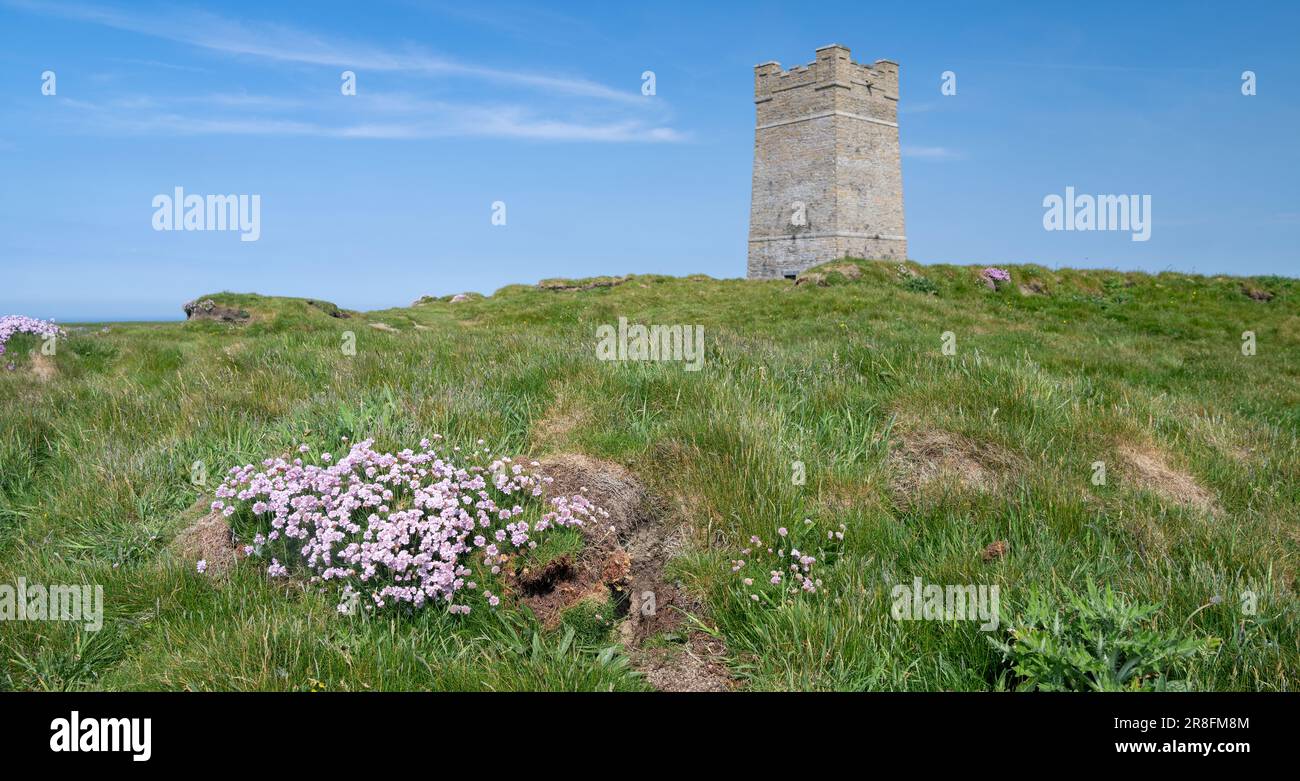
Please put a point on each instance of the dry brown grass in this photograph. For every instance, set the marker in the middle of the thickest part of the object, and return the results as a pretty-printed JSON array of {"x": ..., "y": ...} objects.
[
  {"x": 208, "y": 539},
  {"x": 939, "y": 458},
  {"x": 554, "y": 429},
  {"x": 1150, "y": 470},
  {"x": 42, "y": 366}
]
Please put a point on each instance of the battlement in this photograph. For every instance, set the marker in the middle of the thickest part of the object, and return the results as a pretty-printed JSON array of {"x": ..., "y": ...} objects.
[{"x": 833, "y": 71}]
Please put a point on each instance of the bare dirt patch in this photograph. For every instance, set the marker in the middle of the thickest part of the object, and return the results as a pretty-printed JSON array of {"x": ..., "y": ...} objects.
[
  {"x": 208, "y": 539},
  {"x": 934, "y": 457},
  {"x": 623, "y": 559},
  {"x": 1150, "y": 469},
  {"x": 385, "y": 327},
  {"x": 693, "y": 665},
  {"x": 42, "y": 366},
  {"x": 543, "y": 579}
]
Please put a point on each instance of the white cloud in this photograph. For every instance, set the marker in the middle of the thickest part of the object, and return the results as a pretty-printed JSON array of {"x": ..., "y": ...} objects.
[
  {"x": 931, "y": 152},
  {"x": 287, "y": 44},
  {"x": 594, "y": 112},
  {"x": 392, "y": 118}
]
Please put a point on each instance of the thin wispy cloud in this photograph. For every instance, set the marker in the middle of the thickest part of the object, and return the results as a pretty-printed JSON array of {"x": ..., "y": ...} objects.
[
  {"x": 388, "y": 117},
  {"x": 282, "y": 43},
  {"x": 157, "y": 64},
  {"x": 572, "y": 109},
  {"x": 931, "y": 152}
]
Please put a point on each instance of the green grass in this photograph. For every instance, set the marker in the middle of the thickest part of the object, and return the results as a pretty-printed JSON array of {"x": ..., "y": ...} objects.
[{"x": 95, "y": 468}]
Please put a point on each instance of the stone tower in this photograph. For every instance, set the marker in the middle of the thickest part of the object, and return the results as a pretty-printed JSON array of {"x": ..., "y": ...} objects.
[{"x": 828, "y": 182}]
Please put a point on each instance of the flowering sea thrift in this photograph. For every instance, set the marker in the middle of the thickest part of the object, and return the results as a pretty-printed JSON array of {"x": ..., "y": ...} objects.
[
  {"x": 393, "y": 528},
  {"x": 782, "y": 570},
  {"x": 995, "y": 277},
  {"x": 19, "y": 324}
]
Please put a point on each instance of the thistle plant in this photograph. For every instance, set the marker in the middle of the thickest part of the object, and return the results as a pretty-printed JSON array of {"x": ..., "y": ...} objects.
[
  {"x": 409, "y": 528},
  {"x": 1096, "y": 641}
]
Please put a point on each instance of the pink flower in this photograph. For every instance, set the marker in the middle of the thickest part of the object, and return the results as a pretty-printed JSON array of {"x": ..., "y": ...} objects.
[
  {"x": 21, "y": 324},
  {"x": 996, "y": 274},
  {"x": 394, "y": 528}
]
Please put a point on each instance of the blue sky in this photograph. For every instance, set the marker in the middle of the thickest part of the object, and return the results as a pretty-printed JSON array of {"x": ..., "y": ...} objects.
[{"x": 376, "y": 199}]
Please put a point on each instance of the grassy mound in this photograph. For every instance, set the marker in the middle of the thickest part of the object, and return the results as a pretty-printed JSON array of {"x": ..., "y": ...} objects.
[{"x": 1092, "y": 427}]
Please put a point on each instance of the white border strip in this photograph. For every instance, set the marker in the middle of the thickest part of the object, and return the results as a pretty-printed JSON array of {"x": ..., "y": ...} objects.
[{"x": 873, "y": 120}]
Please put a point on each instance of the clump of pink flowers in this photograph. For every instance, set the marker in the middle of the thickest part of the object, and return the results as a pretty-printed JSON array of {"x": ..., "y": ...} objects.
[
  {"x": 408, "y": 528},
  {"x": 994, "y": 277},
  {"x": 21, "y": 324},
  {"x": 786, "y": 568}
]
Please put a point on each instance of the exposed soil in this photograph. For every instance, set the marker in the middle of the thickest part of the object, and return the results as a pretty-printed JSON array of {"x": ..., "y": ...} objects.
[
  {"x": 624, "y": 557},
  {"x": 385, "y": 327},
  {"x": 1033, "y": 288},
  {"x": 542, "y": 580},
  {"x": 1150, "y": 469},
  {"x": 690, "y": 664}
]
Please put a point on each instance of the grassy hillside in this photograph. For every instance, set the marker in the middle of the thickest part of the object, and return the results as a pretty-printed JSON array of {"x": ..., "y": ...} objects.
[{"x": 971, "y": 468}]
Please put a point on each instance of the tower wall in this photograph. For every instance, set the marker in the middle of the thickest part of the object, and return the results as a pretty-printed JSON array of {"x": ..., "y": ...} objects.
[{"x": 827, "y": 173}]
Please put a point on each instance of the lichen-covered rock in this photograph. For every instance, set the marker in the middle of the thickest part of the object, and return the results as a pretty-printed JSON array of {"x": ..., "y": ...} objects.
[
  {"x": 826, "y": 275},
  {"x": 207, "y": 309}
]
